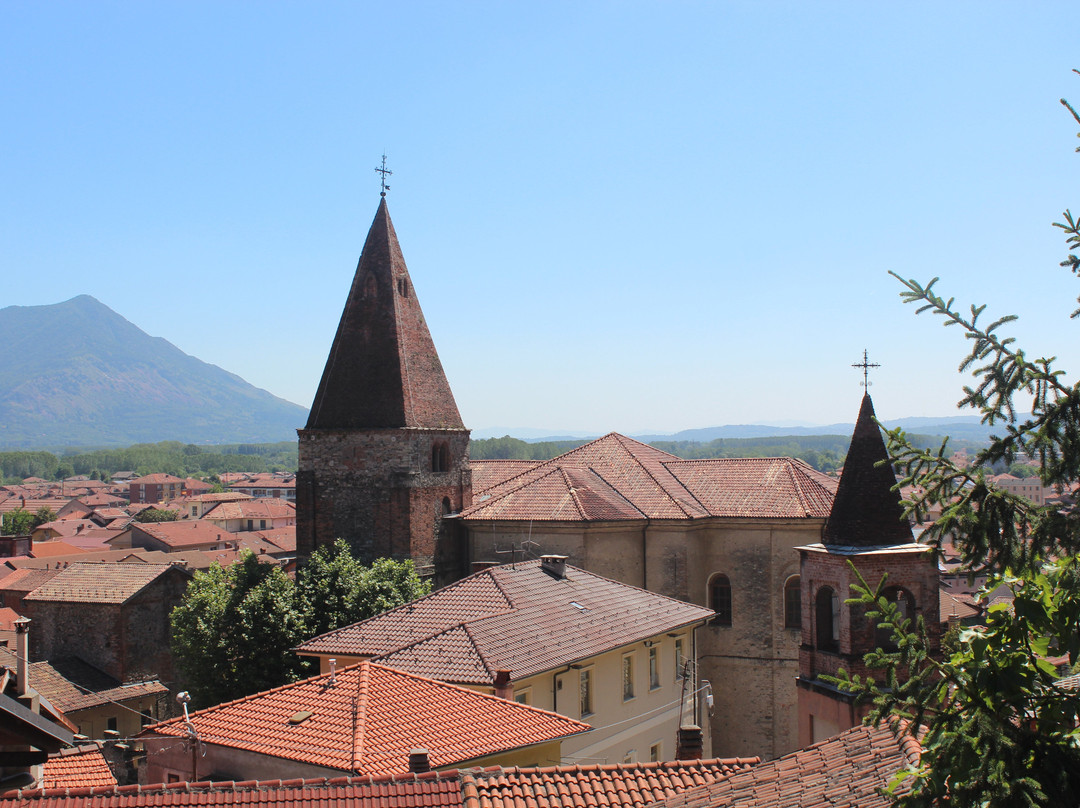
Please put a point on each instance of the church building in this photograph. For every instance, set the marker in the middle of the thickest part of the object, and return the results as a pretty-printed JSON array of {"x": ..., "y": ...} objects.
[
  {"x": 384, "y": 455},
  {"x": 384, "y": 464}
]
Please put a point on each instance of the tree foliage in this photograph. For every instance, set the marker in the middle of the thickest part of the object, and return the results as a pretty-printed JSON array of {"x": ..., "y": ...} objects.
[
  {"x": 997, "y": 728},
  {"x": 156, "y": 515},
  {"x": 235, "y": 629}
]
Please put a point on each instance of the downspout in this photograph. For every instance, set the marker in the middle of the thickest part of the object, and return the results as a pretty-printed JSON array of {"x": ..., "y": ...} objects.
[
  {"x": 645, "y": 555},
  {"x": 555, "y": 688}
]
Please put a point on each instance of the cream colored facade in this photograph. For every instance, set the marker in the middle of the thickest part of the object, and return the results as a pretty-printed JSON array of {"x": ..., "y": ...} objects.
[
  {"x": 633, "y": 725},
  {"x": 751, "y": 664}
]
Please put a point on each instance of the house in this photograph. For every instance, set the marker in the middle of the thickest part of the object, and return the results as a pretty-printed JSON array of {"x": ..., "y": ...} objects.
[
  {"x": 113, "y": 616},
  {"x": 194, "y": 506},
  {"x": 91, "y": 699},
  {"x": 252, "y": 514},
  {"x": 556, "y": 637},
  {"x": 364, "y": 719},
  {"x": 171, "y": 537},
  {"x": 617, "y": 786},
  {"x": 154, "y": 488},
  {"x": 16, "y": 586},
  {"x": 274, "y": 486},
  {"x": 30, "y": 727}
]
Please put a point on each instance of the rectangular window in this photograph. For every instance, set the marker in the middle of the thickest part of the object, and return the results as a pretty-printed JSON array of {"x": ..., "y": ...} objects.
[
  {"x": 523, "y": 696},
  {"x": 680, "y": 660},
  {"x": 586, "y": 692},
  {"x": 110, "y": 723},
  {"x": 655, "y": 752},
  {"x": 654, "y": 668},
  {"x": 628, "y": 677}
]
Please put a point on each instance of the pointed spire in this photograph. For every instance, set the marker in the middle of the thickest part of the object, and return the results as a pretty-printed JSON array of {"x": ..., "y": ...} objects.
[
  {"x": 383, "y": 370},
  {"x": 866, "y": 512}
]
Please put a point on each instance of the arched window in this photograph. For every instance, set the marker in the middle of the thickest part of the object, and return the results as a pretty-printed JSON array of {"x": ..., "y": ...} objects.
[
  {"x": 827, "y": 617},
  {"x": 720, "y": 600},
  {"x": 435, "y": 457},
  {"x": 444, "y": 457},
  {"x": 446, "y": 506},
  {"x": 906, "y": 603},
  {"x": 792, "y": 603}
]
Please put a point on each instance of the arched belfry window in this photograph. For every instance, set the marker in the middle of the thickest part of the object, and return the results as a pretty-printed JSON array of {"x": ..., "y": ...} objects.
[
  {"x": 905, "y": 602},
  {"x": 827, "y": 618},
  {"x": 720, "y": 599},
  {"x": 403, "y": 287},
  {"x": 440, "y": 456},
  {"x": 792, "y": 602}
]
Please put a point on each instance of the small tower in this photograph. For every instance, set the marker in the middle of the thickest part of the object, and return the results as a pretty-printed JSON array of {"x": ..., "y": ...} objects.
[
  {"x": 384, "y": 455},
  {"x": 867, "y": 528}
]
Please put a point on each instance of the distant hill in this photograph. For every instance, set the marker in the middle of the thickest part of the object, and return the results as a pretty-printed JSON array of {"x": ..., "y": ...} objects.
[{"x": 78, "y": 374}]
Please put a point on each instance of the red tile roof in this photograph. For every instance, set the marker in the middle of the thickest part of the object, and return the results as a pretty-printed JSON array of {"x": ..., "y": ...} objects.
[
  {"x": 615, "y": 477},
  {"x": 26, "y": 581},
  {"x": 155, "y": 479},
  {"x": 627, "y": 785},
  {"x": 98, "y": 582},
  {"x": 283, "y": 537},
  {"x": 78, "y": 767},
  {"x": 430, "y": 790},
  {"x": 489, "y": 473},
  {"x": 849, "y": 769},
  {"x": 181, "y": 535},
  {"x": 397, "y": 712},
  {"x": 252, "y": 509},
  {"x": 513, "y": 617}
]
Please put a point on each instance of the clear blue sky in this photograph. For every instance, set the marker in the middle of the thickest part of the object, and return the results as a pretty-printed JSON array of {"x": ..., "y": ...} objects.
[{"x": 618, "y": 215}]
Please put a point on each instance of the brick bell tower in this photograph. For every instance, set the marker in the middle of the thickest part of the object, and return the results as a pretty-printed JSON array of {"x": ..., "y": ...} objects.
[
  {"x": 867, "y": 528},
  {"x": 384, "y": 454}
]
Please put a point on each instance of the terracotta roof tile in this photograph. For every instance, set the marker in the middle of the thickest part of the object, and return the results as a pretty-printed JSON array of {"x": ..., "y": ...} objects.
[
  {"x": 182, "y": 535},
  {"x": 430, "y": 790},
  {"x": 79, "y": 767},
  {"x": 616, "y": 477},
  {"x": 397, "y": 712},
  {"x": 515, "y": 617},
  {"x": 849, "y": 769},
  {"x": 489, "y": 473},
  {"x": 252, "y": 509},
  {"x": 97, "y": 582},
  {"x": 26, "y": 581},
  {"x": 627, "y": 785}
]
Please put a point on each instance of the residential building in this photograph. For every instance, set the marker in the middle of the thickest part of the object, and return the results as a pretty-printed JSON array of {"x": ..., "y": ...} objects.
[
  {"x": 171, "y": 537},
  {"x": 154, "y": 488},
  {"x": 252, "y": 514},
  {"x": 273, "y": 486},
  {"x": 364, "y": 719},
  {"x": 556, "y": 637},
  {"x": 113, "y": 616}
]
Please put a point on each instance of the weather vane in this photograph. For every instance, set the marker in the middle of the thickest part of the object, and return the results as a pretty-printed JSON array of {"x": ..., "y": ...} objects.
[
  {"x": 865, "y": 364},
  {"x": 386, "y": 172}
]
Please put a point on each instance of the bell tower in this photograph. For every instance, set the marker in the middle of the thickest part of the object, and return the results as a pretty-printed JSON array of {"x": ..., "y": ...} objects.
[
  {"x": 866, "y": 530},
  {"x": 384, "y": 455}
]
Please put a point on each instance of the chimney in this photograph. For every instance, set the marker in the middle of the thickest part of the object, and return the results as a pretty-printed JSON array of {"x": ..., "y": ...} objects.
[
  {"x": 554, "y": 565},
  {"x": 22, "y": 674},
  {"x": 690, "y": 743},
  {"x": 333, "y": 672},
  {"x": 504, "y": 689},
  {"x": 419, "y": 762}
]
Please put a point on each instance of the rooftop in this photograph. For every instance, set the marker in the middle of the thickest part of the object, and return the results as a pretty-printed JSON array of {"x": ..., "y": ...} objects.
[
  {"x": 98, "y": 582},
  {"x": 396, "y": 712},
  {"x": 516, "y": 617}
]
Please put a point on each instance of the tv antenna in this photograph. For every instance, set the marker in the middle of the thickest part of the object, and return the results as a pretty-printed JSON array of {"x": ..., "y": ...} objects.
[{"x": 526, "y": 547}]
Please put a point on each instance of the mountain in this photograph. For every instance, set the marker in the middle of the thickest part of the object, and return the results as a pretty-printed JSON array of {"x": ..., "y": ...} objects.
[{"x": 78, "y": 374}]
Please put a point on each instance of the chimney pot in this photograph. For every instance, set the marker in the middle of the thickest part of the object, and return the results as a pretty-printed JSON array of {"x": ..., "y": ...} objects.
[
  {"x": 419, "y": 761},
  {"x": 554, "y": 565},
  {"x": 504, "y": 689}
]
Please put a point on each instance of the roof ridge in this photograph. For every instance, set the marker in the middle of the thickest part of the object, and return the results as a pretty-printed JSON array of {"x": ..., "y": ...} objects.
[
  {"x": 359, "y": 716},
  {"x": 571, "y": 489},
  {"x": 659, "y": 485},
  {"x": 618, "y": 493}
]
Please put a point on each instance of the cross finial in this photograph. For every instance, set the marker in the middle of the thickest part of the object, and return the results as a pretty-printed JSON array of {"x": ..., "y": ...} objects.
[
  {"x": 386, "y": 172},
  {"x": 865, "y": 364}
]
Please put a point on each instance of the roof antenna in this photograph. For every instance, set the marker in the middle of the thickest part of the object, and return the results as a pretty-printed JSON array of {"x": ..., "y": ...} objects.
[
  {"x": 386, "y": 172},
  {"x": 865, "y": 364}
]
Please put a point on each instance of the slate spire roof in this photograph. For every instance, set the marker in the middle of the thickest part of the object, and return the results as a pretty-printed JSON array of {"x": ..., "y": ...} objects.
[
  {"x": 383, "y": 370},
  {"x": 866, "y": 512}
]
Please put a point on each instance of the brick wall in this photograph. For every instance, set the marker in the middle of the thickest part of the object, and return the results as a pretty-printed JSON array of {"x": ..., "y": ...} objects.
[{"x": 376, "y": 489}]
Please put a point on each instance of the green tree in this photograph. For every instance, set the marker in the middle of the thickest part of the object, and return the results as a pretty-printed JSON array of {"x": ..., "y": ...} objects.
[
  {"x": 335, "y": 589},
  {"x": 156, "y": 515},
  {"x": 17, "y": 522},
  {"x": 233, "y": 631},
  {"x": 998, "y": 730},
  {"x": 42, "y": 515}
]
